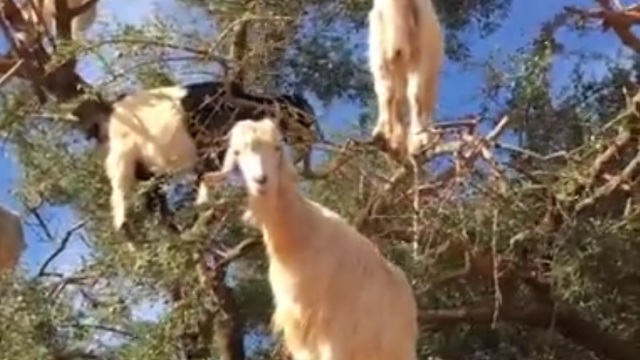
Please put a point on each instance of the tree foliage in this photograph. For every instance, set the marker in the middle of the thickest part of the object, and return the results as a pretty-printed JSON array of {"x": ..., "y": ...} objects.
[{"x": 520, "y": 241}]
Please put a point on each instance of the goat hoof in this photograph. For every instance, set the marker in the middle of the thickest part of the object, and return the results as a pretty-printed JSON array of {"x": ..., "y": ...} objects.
[
  {"x": 125, "y": 231},
  {"x": 380, "y": 140},
  {"x": 119, "y": 221},
  {"x": 119, "y": 228},
  {"x": 394, "y": 151}
]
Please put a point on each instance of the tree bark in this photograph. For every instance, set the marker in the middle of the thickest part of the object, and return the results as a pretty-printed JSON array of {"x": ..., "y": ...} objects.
[
  {"x": 229, "y": 324},
  {"x": 238, "y": 51},
  {"x": 196, "y": 345},
  {"x": 565, "y": 321}
]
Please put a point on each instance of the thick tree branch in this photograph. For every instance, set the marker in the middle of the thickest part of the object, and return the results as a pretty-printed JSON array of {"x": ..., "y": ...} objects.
[
  {"x": 229, "y": 325},
  {"x": 567, "y": 322},
  {"x": 227, "y": 328},
  {"x": 613, "y": 16},
  {"x": 238, "y": 51}
]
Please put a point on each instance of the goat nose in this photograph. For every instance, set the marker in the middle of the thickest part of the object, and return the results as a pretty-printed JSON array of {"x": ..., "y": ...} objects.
[{"x": 261, "y": 179}]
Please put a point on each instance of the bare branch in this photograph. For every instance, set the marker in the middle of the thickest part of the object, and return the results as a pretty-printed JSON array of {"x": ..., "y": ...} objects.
[
  {"x": 619, "y": 19},
  {"x": 567, "y": 322},
  {"x": 240, "y": 250},
  {"x": 62, "y": 247},
  {"x": 12, "y": 71}
]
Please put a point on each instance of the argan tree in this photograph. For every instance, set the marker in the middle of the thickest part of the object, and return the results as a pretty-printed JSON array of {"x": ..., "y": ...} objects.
[{"x": 518, "y": 228}]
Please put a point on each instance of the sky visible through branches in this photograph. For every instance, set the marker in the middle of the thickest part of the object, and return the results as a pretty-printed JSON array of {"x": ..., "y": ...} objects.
[{"x": 459, "y": 95}]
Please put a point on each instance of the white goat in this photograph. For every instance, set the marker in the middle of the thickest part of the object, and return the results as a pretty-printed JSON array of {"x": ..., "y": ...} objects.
[
  {"x": 406, "y": 50},
  {"x": 336, "y": 297},
  {"x": 79, "y": 24},
  {"x": 170, "y": 130},
  {"x": 12, "y": 242}
]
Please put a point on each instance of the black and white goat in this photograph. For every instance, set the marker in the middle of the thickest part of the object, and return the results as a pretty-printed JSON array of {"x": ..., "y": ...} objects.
[{"x": 175, "y": 129}]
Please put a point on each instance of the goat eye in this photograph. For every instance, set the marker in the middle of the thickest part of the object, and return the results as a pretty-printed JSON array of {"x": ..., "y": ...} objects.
[
  {"x": 236, "y": 152},
  {"x": 278, "y": 148}
]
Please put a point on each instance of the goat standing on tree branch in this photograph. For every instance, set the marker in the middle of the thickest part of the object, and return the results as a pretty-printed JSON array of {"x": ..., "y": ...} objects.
[
  {"x": 173, "y": 129},
  {"x": 406, "y": 50},
  {"x": 336, "y": 296}
]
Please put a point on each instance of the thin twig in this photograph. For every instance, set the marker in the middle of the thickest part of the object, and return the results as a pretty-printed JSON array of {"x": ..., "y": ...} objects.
[
  {"x": 237, "y": 252},
  {"x": 496, "y": 277},
  {"x": 6, "y": 76},
  {"x": 63, "y": 245}
]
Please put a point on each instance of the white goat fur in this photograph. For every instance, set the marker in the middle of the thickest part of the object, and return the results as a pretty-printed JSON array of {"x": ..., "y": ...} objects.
[
  {"x": 79, "y": 24},
  {"x": 406, "y": 50},
  {"x": 12, "y": 242},
  {"x": 336, "y": 296},
  {"x": 147, "y": 126}
]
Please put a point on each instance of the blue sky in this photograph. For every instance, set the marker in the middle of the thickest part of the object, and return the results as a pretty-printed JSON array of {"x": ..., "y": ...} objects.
[{"x": 459, "y": 94}]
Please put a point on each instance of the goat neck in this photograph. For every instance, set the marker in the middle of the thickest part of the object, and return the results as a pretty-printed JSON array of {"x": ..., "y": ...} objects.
[{"x": 281, "y": 217}]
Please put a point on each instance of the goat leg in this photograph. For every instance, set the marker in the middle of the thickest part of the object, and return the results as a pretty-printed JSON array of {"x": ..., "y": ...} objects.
[
  {"x": 203, "y": 166},
  {"x": 156, "y": 200}
]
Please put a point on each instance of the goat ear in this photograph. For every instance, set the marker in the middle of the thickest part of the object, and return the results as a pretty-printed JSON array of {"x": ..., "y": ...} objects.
[{"x": 214, "y": 177}]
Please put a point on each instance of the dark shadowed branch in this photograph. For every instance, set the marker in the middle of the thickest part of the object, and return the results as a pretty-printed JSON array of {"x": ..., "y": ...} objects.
[
  {"x": 62, "y": 247},
  {"x": 613, "y": 16},
  {"x": 565, "y": 321}
]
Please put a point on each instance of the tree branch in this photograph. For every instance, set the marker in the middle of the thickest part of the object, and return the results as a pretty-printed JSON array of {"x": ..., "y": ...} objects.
[
  {"x": 61, "y": 248},
  {"x": 567, "y": 322},
  {"x": 238, "y": 51},
  {"x": 229, "y": 328},
  {"x": 619, "y": 19},
  {"x": 6, "y": 76},
  {"x": 237, "y": 252}
]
